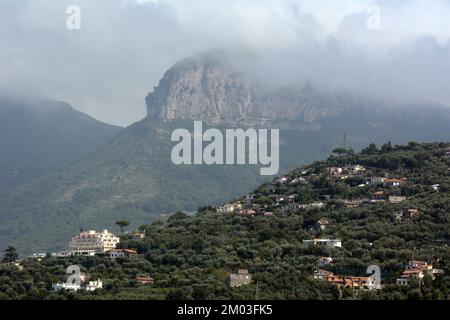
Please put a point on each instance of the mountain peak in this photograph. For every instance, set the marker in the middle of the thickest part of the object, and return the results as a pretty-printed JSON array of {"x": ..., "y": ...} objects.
[
  {"x": 211, "y": 87},
  {"x": 205, "y": 87}
]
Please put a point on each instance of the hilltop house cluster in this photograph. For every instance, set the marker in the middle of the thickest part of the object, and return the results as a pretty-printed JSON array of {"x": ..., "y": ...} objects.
[{"x": 279, "y": 197}]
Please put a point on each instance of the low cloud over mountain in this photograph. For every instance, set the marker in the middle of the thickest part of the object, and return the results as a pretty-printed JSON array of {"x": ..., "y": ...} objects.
[{"x": 124, "y": 47}]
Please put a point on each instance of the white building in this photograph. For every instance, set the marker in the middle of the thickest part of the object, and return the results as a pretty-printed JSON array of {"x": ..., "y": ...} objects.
[
  {"x": 61, "y": 254},
  {"x": 397, "y": 199},
  {"x": 38, "y": 256},
  {"x": 354, "y": 169},
  {"x": 90, "y": 286},
  {"x": 228, "y": 208},
  {"x": 335, "y": 171},
  {"x": 240, "y": 278},
  {"x": 92, "y": 242},
  {"x": 94, "y": 285},
  {"x": 331, "y": 243},
  {"x": 417, "y": 270},
  {"x": 389, "y": 183},
  {"x": 66, "y": 286},
  {"x": 374, "y": 181}
]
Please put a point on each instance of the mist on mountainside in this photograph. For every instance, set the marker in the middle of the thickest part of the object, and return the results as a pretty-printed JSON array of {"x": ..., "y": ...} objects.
[{"x": 326, "y": 45}]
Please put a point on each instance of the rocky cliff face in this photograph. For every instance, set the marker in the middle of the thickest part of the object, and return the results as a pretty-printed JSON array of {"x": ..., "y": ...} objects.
[
  {"x": 210, "y": 89},
  {"x": 202, "y": 89}
]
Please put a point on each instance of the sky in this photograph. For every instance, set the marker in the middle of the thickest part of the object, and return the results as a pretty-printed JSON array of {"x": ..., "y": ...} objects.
[{"x": 393, "y": 49}]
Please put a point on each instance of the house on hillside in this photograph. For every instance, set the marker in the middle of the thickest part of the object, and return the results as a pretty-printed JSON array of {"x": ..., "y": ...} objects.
[
  {"x": 122, "y": 253},
  {"x": 354, "y": 169},
  {"x": 321, "y": 274},
  {"x": 335, "y": 171},
  {"x": 299, "y": 181},
  {"x": 411, "y": 214},
  {"x": 243, "y": 277},
  {"x": 379, "y": 195},
  {"x": 80, "y": 285},
  {"x": 324, "y": 261},
  {"x": 281, "y": 180},
  {"x": 145, "y": 280},
  {"x": 389, "y": 183},
  {"x": 247, "y": 213},
  {"x": 331, "y": 243},
  {"x": 93, "y": 285},
  {"x": 249, "y": 199},
  {"x": 417, "y": 270},
  {"x": 228, "y": 208},
  {"x": 397, "y": 199},
  {"x": 346, "y": 203},
  {"x": 321, "y": 225},
  {"x": 357, "y": 283},
  {"x": 375, "y": 181},
  {"x": 90, "y": 243},
  {"x": 138, "y": 235}
]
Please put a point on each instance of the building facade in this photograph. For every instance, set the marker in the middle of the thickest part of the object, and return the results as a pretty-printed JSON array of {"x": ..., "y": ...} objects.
[
  {"x": 91, "y": 242},
  {"x": 332, "y": 243},
  {"x": 241, "y": 278}
]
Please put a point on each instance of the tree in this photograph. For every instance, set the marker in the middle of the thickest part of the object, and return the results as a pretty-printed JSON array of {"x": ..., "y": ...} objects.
[
  {"x": 10, "y": 255},
  {"x": 370, "y": 150},
  {"x": 340, "y": 152},
  {"x": 122, "y": 224},
  {"x": 387, "y": 147},
  {"x": 177, "y": 216}
]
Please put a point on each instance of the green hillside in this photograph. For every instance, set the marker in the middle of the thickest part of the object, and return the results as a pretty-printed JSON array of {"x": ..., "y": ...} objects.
[
  {"x": 134, "y": 177},
  {"x": 192, "y": 257},
  {"x": 41, "y": 136}
]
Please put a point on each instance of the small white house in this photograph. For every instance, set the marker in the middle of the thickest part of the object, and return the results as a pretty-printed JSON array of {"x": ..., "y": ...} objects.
[
  {"x": 241, "y": 278},
  {"x": 94, "y": 285},
  {"x": 66, "y": 286},
  {"x": 228, "y": 208}
]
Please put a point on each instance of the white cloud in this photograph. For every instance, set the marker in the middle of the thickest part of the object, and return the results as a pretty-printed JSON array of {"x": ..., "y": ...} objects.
[{"x": 125, "y": 46}]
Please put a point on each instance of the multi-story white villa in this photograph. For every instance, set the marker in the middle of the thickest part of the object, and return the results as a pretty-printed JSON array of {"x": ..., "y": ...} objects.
[{"x": 92, "y": 242}]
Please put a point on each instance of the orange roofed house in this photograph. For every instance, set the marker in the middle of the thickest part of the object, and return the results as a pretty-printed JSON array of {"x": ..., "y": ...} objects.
[
  {"x": 347, "y": 282},
  {"x": 417, "y": 270}
]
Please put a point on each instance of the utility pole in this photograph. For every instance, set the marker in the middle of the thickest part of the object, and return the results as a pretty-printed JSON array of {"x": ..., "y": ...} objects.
[{"x": 257, "y": 291}]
